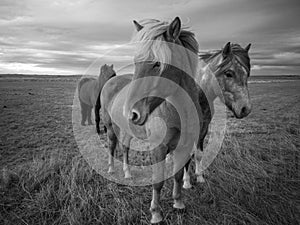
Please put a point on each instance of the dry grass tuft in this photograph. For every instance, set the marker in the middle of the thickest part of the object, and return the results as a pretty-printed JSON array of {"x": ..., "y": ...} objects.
[
  {"x": 243, "y": 186},
  {"x": 44, "y": 179}
]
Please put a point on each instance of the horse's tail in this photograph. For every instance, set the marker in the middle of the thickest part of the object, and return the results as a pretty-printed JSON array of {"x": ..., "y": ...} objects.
[
  {"x": 97, "y": 113},
  {"x": 98, "y": 102},
  {"x": 81, "y": 82},
  {"x": 98, "y": 107}
]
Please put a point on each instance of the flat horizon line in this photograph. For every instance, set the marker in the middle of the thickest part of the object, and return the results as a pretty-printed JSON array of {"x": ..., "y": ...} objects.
[{"x": 69, "y": 75}]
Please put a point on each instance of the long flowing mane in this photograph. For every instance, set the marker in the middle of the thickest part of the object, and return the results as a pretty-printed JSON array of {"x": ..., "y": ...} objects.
[
  {"x": 153, "y": 46},
  {"x": 237, "y": 52}
]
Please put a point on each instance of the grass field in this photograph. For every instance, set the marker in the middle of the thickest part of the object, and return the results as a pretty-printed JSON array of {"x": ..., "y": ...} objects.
[{"x": 45, "y": 180}]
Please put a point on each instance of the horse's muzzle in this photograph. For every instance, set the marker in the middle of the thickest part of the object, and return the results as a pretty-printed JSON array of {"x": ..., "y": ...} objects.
[
  {"x": 136, "y": 118},
  {"x": 242, "y": 112}
]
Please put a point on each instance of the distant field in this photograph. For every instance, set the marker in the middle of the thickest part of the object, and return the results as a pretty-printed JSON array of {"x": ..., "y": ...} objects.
[{"x": 45, "y": 180}]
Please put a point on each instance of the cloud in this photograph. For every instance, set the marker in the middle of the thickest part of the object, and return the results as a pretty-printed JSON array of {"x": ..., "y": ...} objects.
[
  {"x": 11, "y": 9},
  {"x": 68, "y": 36}
]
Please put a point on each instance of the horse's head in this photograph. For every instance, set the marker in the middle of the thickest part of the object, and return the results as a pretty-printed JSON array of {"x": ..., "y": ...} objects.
[
  {"x": 106, "y": 72},
  {"x": 231, "y": 67},
  {"x": 161, "y": 53}
]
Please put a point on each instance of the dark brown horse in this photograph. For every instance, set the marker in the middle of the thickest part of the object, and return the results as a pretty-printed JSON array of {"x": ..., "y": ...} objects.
[
  {"x": 225, "y": 75},
  {"x": 89, "y": 90},
  {"x": 162, "y": 86}
]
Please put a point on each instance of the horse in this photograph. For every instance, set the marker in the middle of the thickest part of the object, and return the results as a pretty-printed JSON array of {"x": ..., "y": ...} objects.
[
  {"x": 229, "y": 69},
  {"x": 162, "y": 70},
  {"x": 88, "y": 93},
  {"x": 208, "y": 93}
]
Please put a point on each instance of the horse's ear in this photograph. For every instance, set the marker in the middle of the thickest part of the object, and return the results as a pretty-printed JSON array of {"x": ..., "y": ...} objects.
[
  {"x": 248, "y": 47},
  {"x": 174, "y": 28},
  {"x": 226, "y": 50},
  {"x": 137, "y": 26},
  {"x": 112, "y": 66}
]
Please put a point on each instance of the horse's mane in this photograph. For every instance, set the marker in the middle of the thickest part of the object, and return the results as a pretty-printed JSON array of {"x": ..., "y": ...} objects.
[
  {"x": 208, "y": 55},
  {"x": 237, "y": 52},
  {"x": 153, "y": 45}
]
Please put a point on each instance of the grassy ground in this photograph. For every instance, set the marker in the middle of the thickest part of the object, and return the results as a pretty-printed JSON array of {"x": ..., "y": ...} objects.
[{"x": 45, "y": 180}]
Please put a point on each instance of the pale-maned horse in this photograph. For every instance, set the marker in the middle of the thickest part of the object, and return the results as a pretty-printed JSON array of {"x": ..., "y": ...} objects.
[
  {"x": 225, "y": 76},
  {"x": 88, "y": 91},
  {"x": 158, "y": 59}
]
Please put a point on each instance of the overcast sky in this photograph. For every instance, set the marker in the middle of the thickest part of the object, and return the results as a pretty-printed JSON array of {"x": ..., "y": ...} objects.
[{"x": 66, "y": 36}]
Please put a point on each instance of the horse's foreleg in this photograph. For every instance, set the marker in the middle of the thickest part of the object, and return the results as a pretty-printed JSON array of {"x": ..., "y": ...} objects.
[
  {"x": 112, "y": 142},
  {"x": 126, "y": 147},
  {"x": 158, "y": 166},
  {"x": 198, "y": 162}
]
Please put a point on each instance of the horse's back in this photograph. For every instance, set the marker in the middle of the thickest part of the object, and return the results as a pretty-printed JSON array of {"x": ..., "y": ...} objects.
[
  {"x": 86, "y": 91},
  {"x": 112, "y": 87}
]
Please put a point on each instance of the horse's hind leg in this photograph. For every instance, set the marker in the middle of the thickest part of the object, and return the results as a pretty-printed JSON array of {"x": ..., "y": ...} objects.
[
  {"x": 112, "y": 142},
  {"x": 126, "y": 147},
  {"x": 89, "y": 115},
  {"x": 186, "y": 176},
  {"x": 83, "y": 112},
  {"x": 178, "y": 170},
  {"x": 158, "y": 166},
  {"x": 198, "y": 162}
]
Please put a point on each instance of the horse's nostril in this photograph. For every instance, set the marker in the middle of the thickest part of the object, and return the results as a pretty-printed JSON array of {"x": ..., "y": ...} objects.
[
  {"x": 244, "y": 111},
  {"x": 135, "y": 116}
]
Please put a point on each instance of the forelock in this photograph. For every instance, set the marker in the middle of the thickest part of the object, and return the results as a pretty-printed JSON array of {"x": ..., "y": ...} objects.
[
  {"x": 151, "y": 45},
  {"x": 237, "y": 54}
]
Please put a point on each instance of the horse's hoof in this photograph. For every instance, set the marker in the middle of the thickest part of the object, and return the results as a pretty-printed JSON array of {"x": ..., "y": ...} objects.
[
  {"x": 156, "y": 217},
  {"x": 128, "y": 175},
  {"x": 200, "y": 179},
  {"x": 111, "y": 170},
  {"x": 178, "y": 204},
  {"x": 169, "y": 158},
  {"x": 82, "y": 124},
  {"x": 90, "y": 123},
  {"x": 187, "y": 185}
]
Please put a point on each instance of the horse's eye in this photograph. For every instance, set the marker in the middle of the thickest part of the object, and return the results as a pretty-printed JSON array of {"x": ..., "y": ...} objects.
[
  {"x": 228, "y": 74},
  {"x": 156, "y": 65}
]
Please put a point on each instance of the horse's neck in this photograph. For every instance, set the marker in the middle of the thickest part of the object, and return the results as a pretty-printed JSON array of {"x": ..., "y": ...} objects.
[
  {"x": 207, "y": 83},
  {"x": 190, "y": 86}
]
